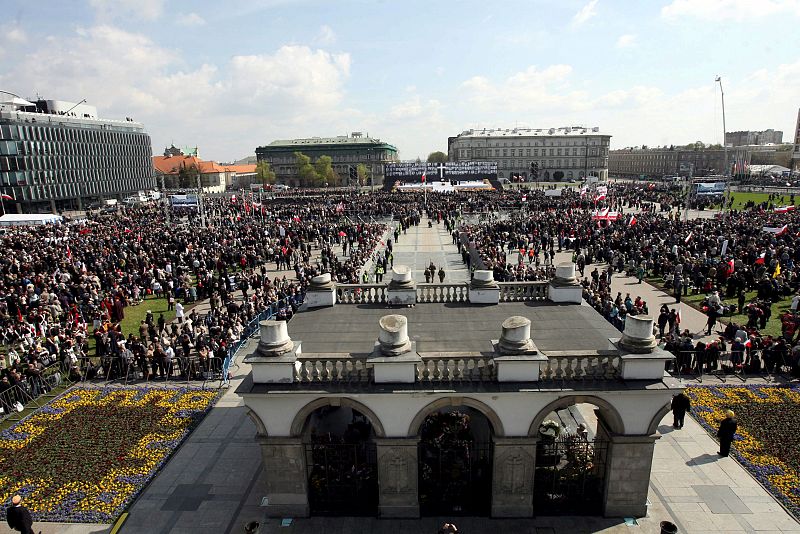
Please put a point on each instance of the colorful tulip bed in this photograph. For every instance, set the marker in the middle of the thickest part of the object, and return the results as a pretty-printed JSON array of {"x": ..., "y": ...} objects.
[
  {"x": 87, "y": 454},
  {"x": 767, "y": 442}
]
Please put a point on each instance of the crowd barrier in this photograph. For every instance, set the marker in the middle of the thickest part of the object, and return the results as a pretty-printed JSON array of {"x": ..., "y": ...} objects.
[
  {"x": 31, "y": 390},
  {"x": 732, "y": 364}
]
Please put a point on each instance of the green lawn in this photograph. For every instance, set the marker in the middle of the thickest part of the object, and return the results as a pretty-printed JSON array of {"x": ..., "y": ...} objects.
[
  {"x": 773, "y": 325},
  {"x": 134, "y": 315},
  {"x": 740, "y": 199}
]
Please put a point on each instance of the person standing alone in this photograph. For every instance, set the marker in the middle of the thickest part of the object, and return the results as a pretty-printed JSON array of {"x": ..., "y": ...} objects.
[
  {"x": 727, "y": 429},
  {"x": 18, "y": 517},
  {"x": 680, "y": 405}
]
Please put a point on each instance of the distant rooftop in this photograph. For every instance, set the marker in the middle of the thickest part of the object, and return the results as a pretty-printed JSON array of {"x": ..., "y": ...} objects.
[
  {"x": 59, "y": 112},
  {"x": 533, "y": 132},
  {"x": 356, "y": 138}
]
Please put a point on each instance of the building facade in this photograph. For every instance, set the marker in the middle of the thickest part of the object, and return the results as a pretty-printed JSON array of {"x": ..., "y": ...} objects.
[
  {"x": 560, "y": 153},
  {"x": 747, "y": 137},
  {"x": 57, "y": 155},
  {"x": 362, "y": 410},
  {"x": 674, "y": 161},
  {"x": 182, "y": 171},
  {"x": 346, "y": 152}
]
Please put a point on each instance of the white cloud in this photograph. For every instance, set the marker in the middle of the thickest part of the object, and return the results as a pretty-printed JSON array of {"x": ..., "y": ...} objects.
[
  {"x": 221, "y": 107},
  {"x": 626, "y": 41},
  {"x": 326, "y": 36},
  {"x": 718, "y": 10},
  {"x": 144, "y": 9},
  {"x": 585, "y": 13},
  {"x": 192, "y": 19},
  {"x": 14, "y": 35}
]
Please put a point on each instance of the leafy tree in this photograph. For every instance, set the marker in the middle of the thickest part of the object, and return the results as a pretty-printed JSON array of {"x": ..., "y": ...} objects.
[
  {"x": 696, "y": 145},
  {"x": 364, "y": 174},
  {"x": 558, "y": 175},
  {"x": 437, "y": 157},
  {"x": 187, "y": 177},
  {"x": 264, "y": 174},
  {"x": 306, "y": 172},
  {"x": 324, "y": 169}
]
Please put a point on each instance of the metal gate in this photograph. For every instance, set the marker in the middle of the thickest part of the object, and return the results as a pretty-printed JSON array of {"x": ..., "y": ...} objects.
[
  {"x": 342, "y": 478},
  {"x": 570, "y": 476},
  {"x": 455, "y": 478}
]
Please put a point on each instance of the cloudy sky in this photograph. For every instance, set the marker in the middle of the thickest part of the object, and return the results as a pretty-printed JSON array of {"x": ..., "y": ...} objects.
[{"x": 229, "y": 76}]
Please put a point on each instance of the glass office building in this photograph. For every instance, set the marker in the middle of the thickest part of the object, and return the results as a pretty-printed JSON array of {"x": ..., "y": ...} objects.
[{"x": 54, "y": 160}]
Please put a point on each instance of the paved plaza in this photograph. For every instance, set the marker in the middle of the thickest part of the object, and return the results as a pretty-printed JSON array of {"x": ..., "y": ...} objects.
[{"x": 214, "y": 482}]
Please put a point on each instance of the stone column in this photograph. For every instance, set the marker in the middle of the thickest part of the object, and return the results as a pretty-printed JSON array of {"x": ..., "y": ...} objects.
[
  {"x": 402, "y": 290},
  {"x": 512, "y": 476},
  {"x": 287, "y": 483},
  {"x": 321, "y": 292},
  {"x": 630, "y": 459},
  {"x": 483, "y": 289},
  {"x": 565, "y": 287},
  {"x": 394, "y": 357},
  {"x": 398, "y": 476}
]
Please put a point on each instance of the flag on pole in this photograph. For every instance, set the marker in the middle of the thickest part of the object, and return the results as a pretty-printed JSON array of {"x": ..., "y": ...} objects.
[
  {"x": 69, "y": 253},
  {"x": 689, "y": 237},
  {"x": 423, "y": 178},
  {"x": 632, "y": 222},
  {"x": 6, "y": 197},
  {"x": 777, "y": 271},
  {"x": 760, "y": 259},
  {"x": 678, "y": 317}
]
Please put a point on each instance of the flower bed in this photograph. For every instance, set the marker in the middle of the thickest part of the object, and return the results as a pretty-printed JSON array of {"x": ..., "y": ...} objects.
[
  {"x": 86, "y": 455},
  {"x": 767, "y": 442}
]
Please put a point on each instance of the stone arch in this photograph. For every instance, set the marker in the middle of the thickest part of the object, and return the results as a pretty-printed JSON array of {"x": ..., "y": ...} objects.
[
  {"x": 261, "y": 429},
  {"x": 610, "y": 414},
  {"x": 302, "y": 416},
  {"x": 447, "y": 402},
  {"x": 663, "y": 411}
]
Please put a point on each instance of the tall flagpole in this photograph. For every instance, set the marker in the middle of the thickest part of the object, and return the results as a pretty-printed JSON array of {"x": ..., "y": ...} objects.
[{"x": 725, "y": 171}]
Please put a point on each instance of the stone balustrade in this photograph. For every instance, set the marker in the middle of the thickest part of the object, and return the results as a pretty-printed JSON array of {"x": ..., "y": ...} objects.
[
  {"x": 522, "y": 291},
  {"x": 444, "y": 368},
  {"x": 342, "y": 368},
  {"x": 439, "y": 293},
  {"x": 361, "y": 293},
  {"x": 591, "y": 365},
  {"x": 443, "y": 292}
]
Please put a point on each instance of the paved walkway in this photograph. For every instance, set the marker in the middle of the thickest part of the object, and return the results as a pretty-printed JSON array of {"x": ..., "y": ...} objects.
[{"x": 422, "y": 245}]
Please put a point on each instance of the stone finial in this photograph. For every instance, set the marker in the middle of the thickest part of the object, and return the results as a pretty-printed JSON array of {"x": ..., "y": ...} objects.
[
  {"x": 516, "y": 336},
  {"x": 275, "y": 339},
  {"x": 565, "y": 275},
  {"x": 401, "y": 276},
  {"x": 638, "y": 336},
  {"x": 483, "y": 279},
  {"x": 321, "y": 282},
  {"x": 393, "y": 335}
]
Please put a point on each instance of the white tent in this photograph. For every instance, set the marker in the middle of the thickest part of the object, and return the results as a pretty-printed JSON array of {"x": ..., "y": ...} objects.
[{"x": 29, "y": 219}]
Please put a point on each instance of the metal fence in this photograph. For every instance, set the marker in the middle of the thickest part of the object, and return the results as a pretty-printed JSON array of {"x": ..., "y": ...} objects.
[
  {"x": 31, "y": 390},
  {"x": 733, "y": 364}
]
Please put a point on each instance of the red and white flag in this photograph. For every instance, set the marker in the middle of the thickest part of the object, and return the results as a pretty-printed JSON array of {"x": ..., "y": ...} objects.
[
  {"x": 775, "y": 229},
  {"x": 688, "y": 238},
  {"x": 748, "y": 343},
  {"x": 760, "y": 260},
  {"x": 423, "y": 177},
  {"x": 678, "y": 317},
  {"x": 69, "y": 253},
  {"x": 632, "y": 222},
  {"x": 6, "y": 197},
  {"x": 784, "y": 209}
]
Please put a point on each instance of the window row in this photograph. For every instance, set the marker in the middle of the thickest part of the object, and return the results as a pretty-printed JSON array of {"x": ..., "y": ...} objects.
[{"x": 24, "y": 132}]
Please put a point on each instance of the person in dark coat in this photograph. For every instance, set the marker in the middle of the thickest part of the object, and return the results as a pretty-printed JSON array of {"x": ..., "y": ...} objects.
[
  {"x": 18, "y": 517},
  {"x": 727, "y": 429},
  {"x": 680, "y": 405}
]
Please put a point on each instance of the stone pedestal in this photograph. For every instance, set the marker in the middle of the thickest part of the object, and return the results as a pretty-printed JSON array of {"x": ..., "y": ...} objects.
[
  {"x": 402, "y": 290},
  {"x": 321, "y": 292},
  {"x": 630, "y": 460},
  {"x": 638, "y": 336},
  {"x": 483, "y": 289},
  {"x": 512, "y": 476},
  {"x": 398, "y": 475},
  {"x": 565, "y": 287},
  {"x": 285, "y": 468},
  {"x": 274, "y": 358}
]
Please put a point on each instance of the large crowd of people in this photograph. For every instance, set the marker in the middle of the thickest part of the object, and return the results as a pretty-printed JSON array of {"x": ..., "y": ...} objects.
[{"x": 66, "y": 288}]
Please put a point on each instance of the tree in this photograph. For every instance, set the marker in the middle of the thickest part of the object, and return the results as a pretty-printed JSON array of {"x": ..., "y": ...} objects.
[
  {"x": 364, "y": 174},
  {"x": 308, "y": 176},
  {"x": 324, "y": 169},
  {"x": 558, "y": 175},
  {"x": 437, "y": 157},
  {"x": 187, "y": 177},
  {"x": 264, "y": 174},
  {"x": 697, "y": 145}
]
